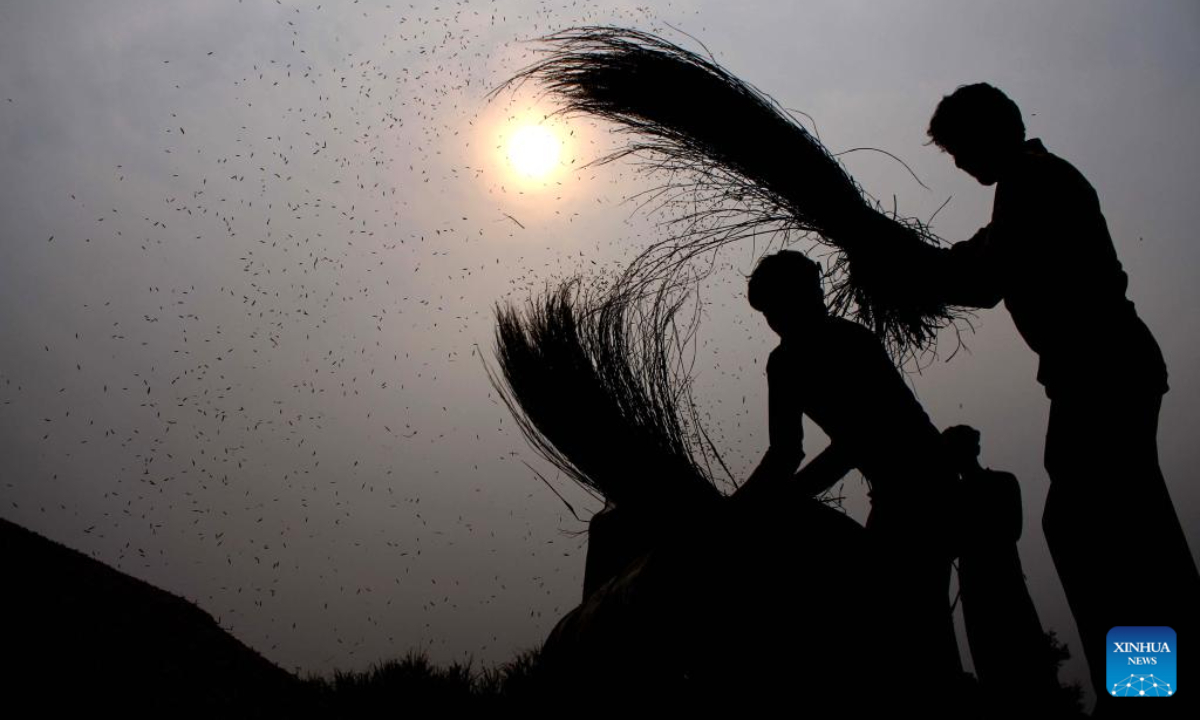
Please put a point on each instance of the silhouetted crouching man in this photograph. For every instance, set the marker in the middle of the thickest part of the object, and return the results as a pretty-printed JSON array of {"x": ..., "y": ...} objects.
[
  {"x": 837, "y": 373},
  {"x": 1048, "y": 255}
]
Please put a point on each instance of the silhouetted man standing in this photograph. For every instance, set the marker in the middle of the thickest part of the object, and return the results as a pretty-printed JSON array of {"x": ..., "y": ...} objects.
[
  {"x": 1048, "y": 255},
  {"x": 1007, "y": 644},
  {"x": 837, "y": 373}
]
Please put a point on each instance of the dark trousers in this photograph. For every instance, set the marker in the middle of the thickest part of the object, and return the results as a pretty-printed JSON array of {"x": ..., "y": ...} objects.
[
  {"x": 1003, "y": 630},
  {"x": 1116, "y": 541}
]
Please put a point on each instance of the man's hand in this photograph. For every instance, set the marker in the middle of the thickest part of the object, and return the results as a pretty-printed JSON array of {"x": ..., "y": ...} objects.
[
  {"x": 855, "y": 228},
  {"x": 757, "y": 489},
  {"x": 773, "y": 471}
]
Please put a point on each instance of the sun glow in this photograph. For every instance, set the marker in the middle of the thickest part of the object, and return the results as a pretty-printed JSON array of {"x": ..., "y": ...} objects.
[{"x": 534, "y": 151}]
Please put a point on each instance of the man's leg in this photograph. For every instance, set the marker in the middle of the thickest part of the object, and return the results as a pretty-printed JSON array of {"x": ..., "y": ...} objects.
[{"x": 1112, "y": 530}]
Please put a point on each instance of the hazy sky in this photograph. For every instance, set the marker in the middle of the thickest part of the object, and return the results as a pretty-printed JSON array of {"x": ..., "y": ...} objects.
[{"x": 250, "y": 250}]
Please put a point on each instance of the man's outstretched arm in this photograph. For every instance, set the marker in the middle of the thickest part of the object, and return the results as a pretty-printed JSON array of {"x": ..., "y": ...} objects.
[
  {"x": 823, "y": 471},
  {"x": 811, "y": 480},
  {"x": 966, "y": 274},
  {"x": 785, "y": 417}
]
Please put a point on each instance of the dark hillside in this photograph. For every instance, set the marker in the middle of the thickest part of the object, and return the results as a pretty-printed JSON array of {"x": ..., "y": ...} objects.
[{"x": 81, "y": 635}]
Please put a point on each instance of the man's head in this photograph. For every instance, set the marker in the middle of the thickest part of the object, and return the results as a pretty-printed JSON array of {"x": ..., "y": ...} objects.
[
  {"x": 981, "y": 128},
  {"x": 962, "y": 446},
  {"x": 786, "y": 289}
]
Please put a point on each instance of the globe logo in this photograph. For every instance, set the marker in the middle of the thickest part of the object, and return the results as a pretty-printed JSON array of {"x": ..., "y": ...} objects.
[{"x": 1141, "y": 686}]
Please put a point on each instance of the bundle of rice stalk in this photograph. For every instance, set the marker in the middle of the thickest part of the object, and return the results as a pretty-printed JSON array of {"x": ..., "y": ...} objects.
[
  {"x": 595, "y": 393},
  {"x": 744, "y": 168}
]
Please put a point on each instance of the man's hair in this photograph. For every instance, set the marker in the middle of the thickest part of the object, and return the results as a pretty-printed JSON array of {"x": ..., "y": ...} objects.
[
  {"x": 962, "y": 439},
  {"x": 975, "y": 114},
  {"x": 784, "y": 278}
]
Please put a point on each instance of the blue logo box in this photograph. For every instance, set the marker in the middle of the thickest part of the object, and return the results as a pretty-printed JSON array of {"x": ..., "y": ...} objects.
[{"x": 1141, "y": 662}]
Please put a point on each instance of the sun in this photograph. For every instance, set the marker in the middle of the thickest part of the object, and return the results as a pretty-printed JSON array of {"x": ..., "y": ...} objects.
[{"x": 534, "y": 151}]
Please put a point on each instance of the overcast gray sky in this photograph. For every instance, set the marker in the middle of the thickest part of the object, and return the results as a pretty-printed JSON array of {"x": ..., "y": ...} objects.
[{"x": 249, "y": 251}]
